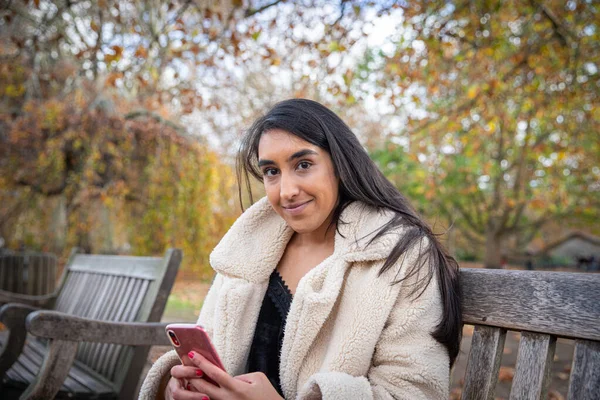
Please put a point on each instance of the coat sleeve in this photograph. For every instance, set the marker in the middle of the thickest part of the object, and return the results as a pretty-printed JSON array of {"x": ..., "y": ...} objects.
[
  {"x": 158, "y": 374},
  {"x": 408, "y": 363},
  {"x": 161, "y": 369}
]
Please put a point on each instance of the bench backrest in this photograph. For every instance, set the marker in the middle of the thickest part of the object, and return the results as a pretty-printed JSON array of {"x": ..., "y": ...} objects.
[
  {"x": 29, "y": 273},
  {"x": 115, "y": 288},
  {"x": 543, "y": 306}
]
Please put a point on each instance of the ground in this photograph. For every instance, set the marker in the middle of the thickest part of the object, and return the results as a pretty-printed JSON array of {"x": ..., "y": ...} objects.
[{"x": 187, "y": 296}]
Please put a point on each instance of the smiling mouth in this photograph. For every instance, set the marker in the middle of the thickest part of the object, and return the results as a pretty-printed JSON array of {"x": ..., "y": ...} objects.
[{"x": 296, "y": 208}]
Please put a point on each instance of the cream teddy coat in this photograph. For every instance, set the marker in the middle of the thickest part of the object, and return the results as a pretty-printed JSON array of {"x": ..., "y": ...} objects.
[{"x": 349, "y": 334}]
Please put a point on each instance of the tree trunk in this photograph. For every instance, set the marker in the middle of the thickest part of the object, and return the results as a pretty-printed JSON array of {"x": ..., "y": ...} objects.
[
  {"x": 58, "y": 224},
  {"x": 493, "y": 249},
  {"x": 452, "y": 241}
]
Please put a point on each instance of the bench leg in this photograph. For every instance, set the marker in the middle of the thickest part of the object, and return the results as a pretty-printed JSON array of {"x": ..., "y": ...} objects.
[{"x": 54, "y": 371}]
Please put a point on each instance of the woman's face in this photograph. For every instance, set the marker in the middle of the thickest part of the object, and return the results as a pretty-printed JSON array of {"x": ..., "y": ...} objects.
[{"x": 299, "y": 180}]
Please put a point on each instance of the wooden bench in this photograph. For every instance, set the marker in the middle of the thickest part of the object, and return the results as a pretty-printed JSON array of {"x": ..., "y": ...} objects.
[
  {"x": 82, "y": 347},
  {"x": 29, "y": 273},
  {"x": 543, "y": 306}
]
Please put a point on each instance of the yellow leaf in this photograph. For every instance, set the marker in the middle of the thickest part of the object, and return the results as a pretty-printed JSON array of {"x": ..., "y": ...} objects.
[
  {"x": 117, "y": 49},
  {"x": 538, "y": 203},
  {"x": 141, "y": 52},
  {"x": 472, "y": 92}
]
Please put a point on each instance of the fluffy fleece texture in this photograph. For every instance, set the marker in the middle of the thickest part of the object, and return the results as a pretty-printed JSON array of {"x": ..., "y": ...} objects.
[{"x": 349, "y": 332}]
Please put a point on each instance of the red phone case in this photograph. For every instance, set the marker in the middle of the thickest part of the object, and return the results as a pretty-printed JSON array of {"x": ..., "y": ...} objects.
[{"x": 189, "y": 337}]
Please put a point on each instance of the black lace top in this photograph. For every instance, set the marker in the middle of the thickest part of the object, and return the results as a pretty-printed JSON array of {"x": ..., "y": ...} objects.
[{"x": 268, "y": 337}]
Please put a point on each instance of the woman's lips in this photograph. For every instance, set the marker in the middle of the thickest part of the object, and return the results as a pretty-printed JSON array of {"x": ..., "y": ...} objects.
[{"x": 297, "y": 209}]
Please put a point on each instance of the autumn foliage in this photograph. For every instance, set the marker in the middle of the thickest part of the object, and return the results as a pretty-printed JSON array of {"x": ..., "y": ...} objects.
[
  {"x": 485, "y": 114},
  {"x": 503, "y": 137},
  {"x": 77, "y": 172}
]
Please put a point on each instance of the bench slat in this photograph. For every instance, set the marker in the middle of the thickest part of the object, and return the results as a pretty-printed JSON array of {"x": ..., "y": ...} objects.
[
  {"x": 483, "y": 363},
  {"x": 13, "y": 274},
  {"x": 27, "y": 273},
  {"x": 132, "y": 291},
  {"x": 53, "y": 271},
  {"x": 85, "y": 351},
  {"x": 557, "y": 303},
  {"x": 73, "y": 286},
  {"x": 35, "y": 277},
  {"x": 135, "y": 267},
  {"x": 534, "y": 361},
  {"x": 19, "y": 373},
  {"x": 100, "y": 364},
  {"x": 116, "y": 286},
  {"x": 121, "y": 351},
  {"x": 3, "y": 271},
  {"x": 19, "y": 276},
  {"x": 129, "y": 314},
  {"x": 90, "y": 379},
  {"x": 80, "y": 378},
  {"x": 33, "y": 357},
  {"x": 83, "y": 305},
  {"x": 16, "y": 274},
  {"x": 42, "y": 277},
  {"x": 80, "y": 372},
  {"x": 585, "y": 371}
]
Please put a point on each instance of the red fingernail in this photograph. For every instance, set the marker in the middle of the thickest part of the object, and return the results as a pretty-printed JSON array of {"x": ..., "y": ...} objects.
[
  {"x": 188, "y": 387},
  {"x": 205, "y": 398},
  {"x": 199, "y": 372},
  {"x": 191, "y": 354}
]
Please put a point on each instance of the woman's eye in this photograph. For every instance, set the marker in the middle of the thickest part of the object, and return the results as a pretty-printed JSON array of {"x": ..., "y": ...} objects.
[
  {"x": 304, "y": 165},
  {"x": 270, "y": 172}
]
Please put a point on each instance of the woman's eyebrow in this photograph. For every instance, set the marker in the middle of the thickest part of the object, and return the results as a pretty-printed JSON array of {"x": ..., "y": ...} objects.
[
  {"x": 262, "y": 163},
  {"x": 302, "y": 153},
  {"x": 298, "y": 154}
]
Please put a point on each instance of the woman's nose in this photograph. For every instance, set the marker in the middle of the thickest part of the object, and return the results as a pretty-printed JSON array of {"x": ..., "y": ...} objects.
[{"x": 288, "y": 187}]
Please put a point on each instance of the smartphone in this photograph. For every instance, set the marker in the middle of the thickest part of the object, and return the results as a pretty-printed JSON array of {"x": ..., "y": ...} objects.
[{"x": 190, "y": 337}]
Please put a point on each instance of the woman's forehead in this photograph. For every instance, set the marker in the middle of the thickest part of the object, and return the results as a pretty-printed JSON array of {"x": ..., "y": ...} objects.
[{"x": 278, "y": 140}]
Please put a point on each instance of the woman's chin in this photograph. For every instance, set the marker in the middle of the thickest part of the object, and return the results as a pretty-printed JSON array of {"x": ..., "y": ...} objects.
[{"x": 301, "y": 228}]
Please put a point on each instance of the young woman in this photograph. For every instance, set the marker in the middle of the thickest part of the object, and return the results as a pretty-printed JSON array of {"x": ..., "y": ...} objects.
[{"x": 331, "y": 287}]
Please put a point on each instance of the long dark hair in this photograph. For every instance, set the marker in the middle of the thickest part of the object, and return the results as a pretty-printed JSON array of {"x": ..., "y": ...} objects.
[{"x": 361, "y": 180}]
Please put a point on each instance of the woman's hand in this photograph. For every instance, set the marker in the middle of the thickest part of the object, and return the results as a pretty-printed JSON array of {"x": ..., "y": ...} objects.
[
  {"x": 244, "y": 387},
  {"x": 179, "y": 386}
]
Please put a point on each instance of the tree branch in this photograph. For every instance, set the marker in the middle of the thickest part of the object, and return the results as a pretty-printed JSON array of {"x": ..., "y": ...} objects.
[
  {"x": 40, "y": 188},
  {"x": 156, "y": 117},
  {"x": 559, "y": 29},
  {"x": 343, "y": 4},
  {"x": 538, "y": 223},
  {"x": 252, "y": 11},
  {"x": 466, "y": 216}
]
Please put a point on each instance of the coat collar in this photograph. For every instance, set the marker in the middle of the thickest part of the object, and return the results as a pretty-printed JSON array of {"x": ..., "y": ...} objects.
[{"x": 253, "y": 246}]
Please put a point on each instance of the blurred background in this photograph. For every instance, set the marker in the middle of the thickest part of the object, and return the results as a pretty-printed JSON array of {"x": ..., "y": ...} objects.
[{"x": 119, "y": 120}]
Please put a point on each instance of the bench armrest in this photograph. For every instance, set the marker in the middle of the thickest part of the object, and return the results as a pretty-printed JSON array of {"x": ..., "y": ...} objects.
[
  {"x": 44, "y": 301},
  {"x": 61, "y": 326},
  {"x": 13, "y": 316},
  {"x": 65, "y": 331}
]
